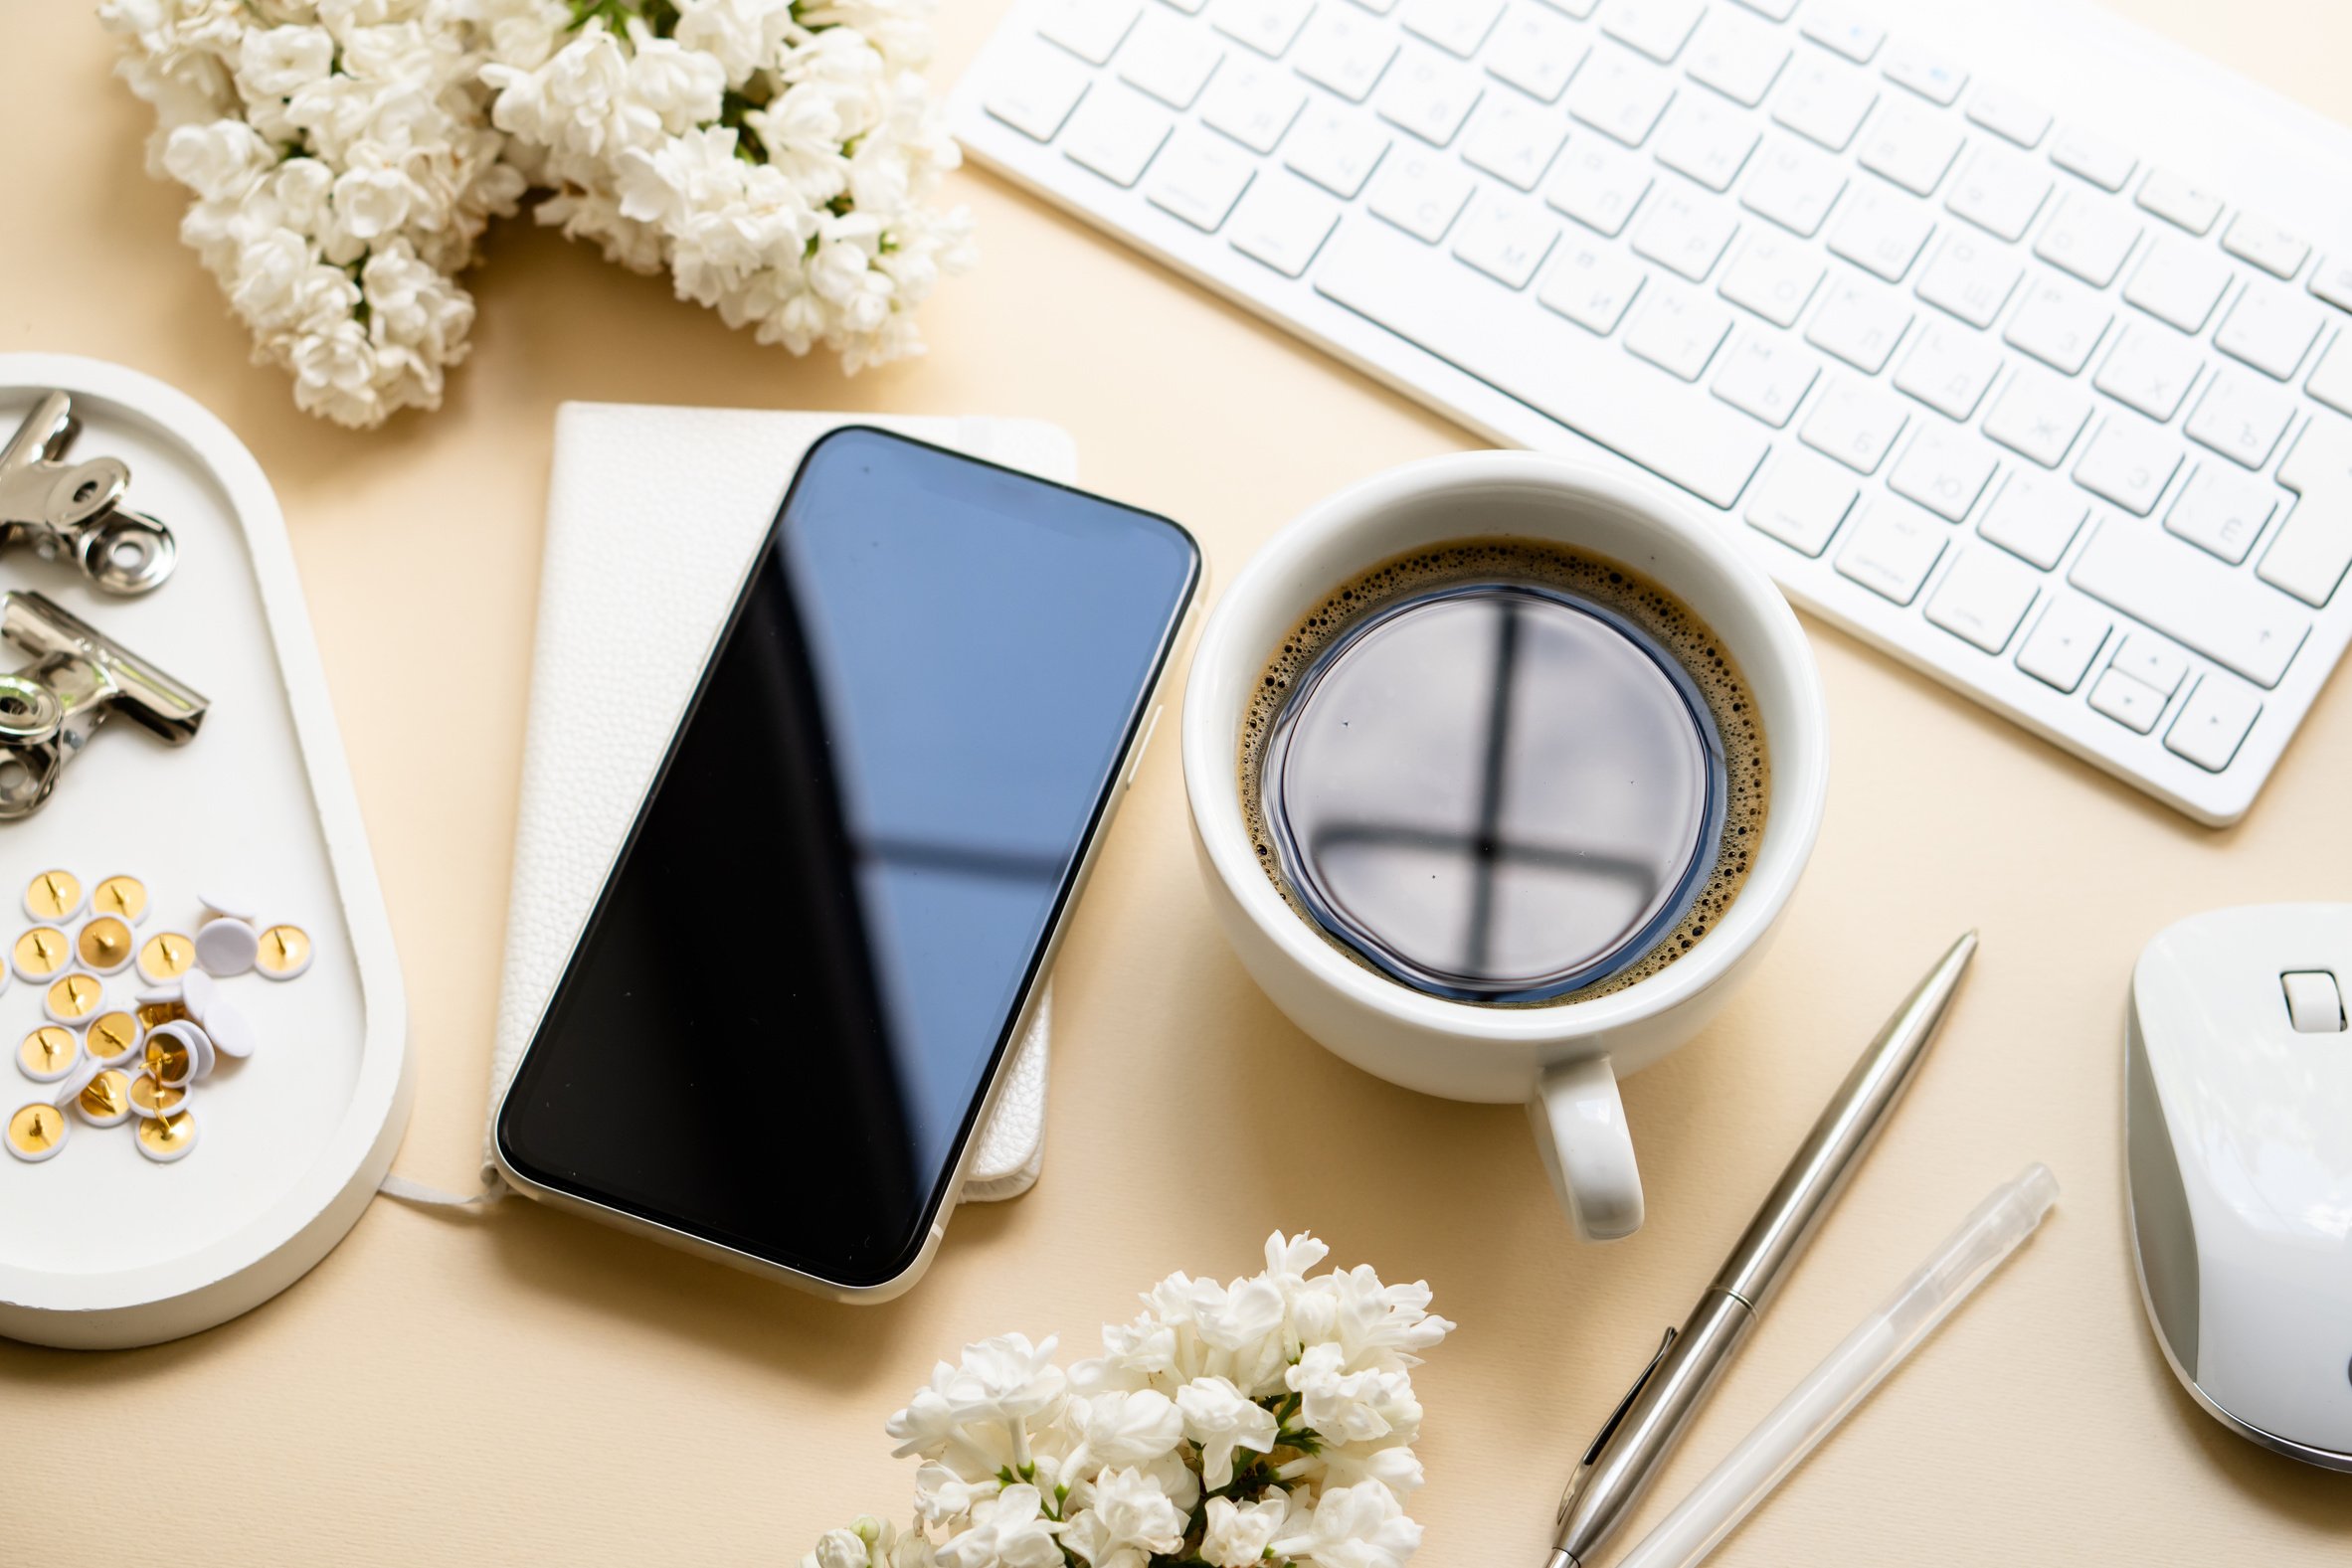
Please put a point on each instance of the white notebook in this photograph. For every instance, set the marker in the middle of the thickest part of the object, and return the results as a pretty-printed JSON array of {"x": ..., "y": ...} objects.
[{"x": 652, "y": 515}]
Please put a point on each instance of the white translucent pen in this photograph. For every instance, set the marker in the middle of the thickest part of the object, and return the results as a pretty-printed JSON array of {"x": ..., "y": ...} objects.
[{"x": 1816, "y": 1406}]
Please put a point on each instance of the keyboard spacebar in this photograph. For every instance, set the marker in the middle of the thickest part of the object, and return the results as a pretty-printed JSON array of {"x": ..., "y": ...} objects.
[{"x": 1506, "y": 340}]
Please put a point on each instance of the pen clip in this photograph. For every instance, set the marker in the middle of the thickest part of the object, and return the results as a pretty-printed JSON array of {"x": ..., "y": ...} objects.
[{"x": 1610, "y": 1426}]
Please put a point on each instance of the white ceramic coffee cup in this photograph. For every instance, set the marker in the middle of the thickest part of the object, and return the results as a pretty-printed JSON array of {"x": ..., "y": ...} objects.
[{"x": 1563, "y": 1061}]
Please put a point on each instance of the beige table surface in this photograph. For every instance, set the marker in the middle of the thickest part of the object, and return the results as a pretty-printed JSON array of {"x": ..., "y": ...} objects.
[{"x": 530, "y": 1387}]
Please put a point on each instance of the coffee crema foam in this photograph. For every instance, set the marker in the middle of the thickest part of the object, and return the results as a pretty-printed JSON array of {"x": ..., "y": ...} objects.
[{"x": 1605, "y": 582}]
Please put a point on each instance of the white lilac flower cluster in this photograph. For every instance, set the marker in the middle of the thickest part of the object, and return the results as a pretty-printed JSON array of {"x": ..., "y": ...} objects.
[
  {"x": 1264, "y": 1423},
  {"x": 345, "y": 156}
]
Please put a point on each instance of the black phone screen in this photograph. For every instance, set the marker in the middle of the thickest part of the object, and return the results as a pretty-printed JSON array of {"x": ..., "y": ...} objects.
[{"x": 776, "y": 1028}]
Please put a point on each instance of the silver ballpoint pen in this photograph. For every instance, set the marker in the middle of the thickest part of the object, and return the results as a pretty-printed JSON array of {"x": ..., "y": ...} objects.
[{"x": 1623, "y": 1459}]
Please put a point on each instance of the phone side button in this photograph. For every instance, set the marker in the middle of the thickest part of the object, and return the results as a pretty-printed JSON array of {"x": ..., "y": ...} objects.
[{"x": 1151, "y": 728}]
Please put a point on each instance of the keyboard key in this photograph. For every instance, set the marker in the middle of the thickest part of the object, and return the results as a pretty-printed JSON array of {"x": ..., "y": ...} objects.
[
  {"x": 1793, "y": 184},
  {"x": 1767, "y": 374},
  {"x": 2242, "y": 417},
  {"x": 1199, "y": 177},
  {"x": 1772, "y": 276},
  {"x": 1504, "y": 237},
  {"x": 2058, "y": 322},
  {"x": 1856, "y": 424},
  {"x": 1801, "y": 500},
  {"x": 2271, "y": 328},
  {"x": 1736, "y": 57},
  {"x": 1983, "y": 598},
  {"x": 2000, "y": 190},
  {"x": 1678, "y": 330},
  {"x": 1684, "y": 231},
  {"x": 1579, "y": 9},
  {"x": 1589, "y": 286},
  {"x": 1456, "y": 26},
  {"x": 2176, "y": 201},
  {"x": 2038, "y": 416},
  {"x": 1835, "y": 28},
  {"x": 2130, "y": 462},
  {"x": 2221, "y": 511},
  {"x": 1970, "y": 276},
  {"x": 1090, "y": 29},
  {"x": 1514, "y": 140},
  {"x": 1883, "y": 232},
  {"x": 1115, "y": 134},
  {"x": 2213, "y": 723},
  {"x": 2035, "y": 518},
  {"x": 2331, "y": 383},
  {"x": 1033, "y": 91},
  {"x": 1267, "y": 25},
  {"x": 1193, "y": 7},
  {"x": 1891, "y": 548},
  {"x": 2331, "y": 280},
  {"x": 1929, "y": 74},
  {"x": 2266, "y": 244},
  {"x": 1429, "y": 95},
  {"x": 1913, "y": 146},
  {"x": 2093, "y": 158},
  {"x": 2127, "y": 700},
  {"x": 2150, "y": 368},
  {"x": 2179, "y": 283},
  {"x": 2009, "y": 115},
  {"x": 2063, "y": 641},
  {"x": 1778, "y": 10},
  {"x": 2088, "y": 238},
  {"x": 1598, "y": 184},
  {"x": 2192, "y": 598},
  {"x": 1859, "y": 323},
  {"x": 1536, "y": 52},
  {"x": 1336, "y": 148},
  {"x": 2153, "y": 662},
  {"x": 1658, "y": 28},
  {"x": 1824, "y": 101},
  {"x": 1283, "y": 220},
  {"x": 1944, "y": 469},
  {"x": 1168, "y": 60},
  {"x": 1707, "y": 139},
  {"x": 1419, "y": 192},
  {"x": 1949, "y": 368},
  {"x": 1609, "y": 397},
  {"x": 2314, "y": 546},
  {"x": 1251, "y": 103},
  {"x": 1620, "y": 95},
  {"x": 1345, "y": 52}
]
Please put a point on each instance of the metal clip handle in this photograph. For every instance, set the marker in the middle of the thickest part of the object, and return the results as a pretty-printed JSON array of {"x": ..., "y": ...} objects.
[
  {"x": 74, "y": 510},
  {"x": 79, "y": 675}
]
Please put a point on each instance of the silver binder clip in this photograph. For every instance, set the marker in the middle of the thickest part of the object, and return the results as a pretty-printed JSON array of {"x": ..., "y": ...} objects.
[
  {"x": 50, "y": 709},
  {"x": 74, "y": 510}
]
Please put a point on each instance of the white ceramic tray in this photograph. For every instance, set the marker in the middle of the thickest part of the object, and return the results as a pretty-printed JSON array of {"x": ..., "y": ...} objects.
[{"x": 99, "y": 1246}]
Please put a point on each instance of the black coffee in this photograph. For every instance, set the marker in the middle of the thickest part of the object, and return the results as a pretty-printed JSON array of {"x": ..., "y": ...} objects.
[{"x": 1503, "y": 772}]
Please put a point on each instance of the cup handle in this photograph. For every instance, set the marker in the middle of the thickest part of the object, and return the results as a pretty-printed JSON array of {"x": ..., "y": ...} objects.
[{"x": 1588, "y": 1152}]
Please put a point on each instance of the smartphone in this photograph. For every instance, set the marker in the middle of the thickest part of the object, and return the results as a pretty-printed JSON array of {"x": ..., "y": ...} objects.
[{"x": 780, "y": 1030}]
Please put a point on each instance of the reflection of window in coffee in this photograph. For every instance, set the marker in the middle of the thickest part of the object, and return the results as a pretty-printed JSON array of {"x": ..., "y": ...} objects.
[{"x": 1505, "y": 772}]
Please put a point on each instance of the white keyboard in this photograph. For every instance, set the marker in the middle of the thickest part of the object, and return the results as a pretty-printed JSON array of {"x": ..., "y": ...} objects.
[{"x": 2036, "y": 406}]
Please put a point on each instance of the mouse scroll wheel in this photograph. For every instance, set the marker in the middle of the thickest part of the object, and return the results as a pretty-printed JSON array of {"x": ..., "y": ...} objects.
[{"x": 2314, "y": 1002}]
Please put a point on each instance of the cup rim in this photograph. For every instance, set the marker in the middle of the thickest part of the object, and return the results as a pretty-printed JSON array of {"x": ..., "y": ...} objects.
[{"x": 1799, "y": 760}]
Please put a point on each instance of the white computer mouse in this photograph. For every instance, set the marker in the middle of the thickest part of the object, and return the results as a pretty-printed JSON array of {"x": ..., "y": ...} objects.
[{"x": 2238, "y": 1137}]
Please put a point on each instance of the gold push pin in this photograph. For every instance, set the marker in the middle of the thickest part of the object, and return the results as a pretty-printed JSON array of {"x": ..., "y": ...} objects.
[
  {"x": 151, "y": 1098},
  {"x": 283, "y": 953},
  {"x": 41, "y": 953},
  {"x": 47, "y": 1053},
  {"x": 105, "y": 1100},
  {"x": 72, "y": 997},
  {"x": 166, "y": 956},
  {"x": 171, "y": 1059},
  {"x": 167, "y": 1137},
  {"x": 125, "y": 898},
  {"x": 53, "y": 896},
  {"x": 112, "y": 1037},
  {"x": 105, "y": 945},
  {"x": 36, "y": 1132}
]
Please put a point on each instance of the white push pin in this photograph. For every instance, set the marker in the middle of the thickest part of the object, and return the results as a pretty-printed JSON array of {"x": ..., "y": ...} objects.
[
  {"x": 227, "y": 947},
  {"x": 113, "y": 1037},
  {"x": 50, "y": 1053},
  {"x": 36, "y": 1132},
  {"x": 231, "y": 1032},
  {"x": 178, "y": 1054},
  {"x": 53, "y": 897},
  {"x": 228, "y": 905},
  {"x": 197, "y": 991},
  {"x": 168, "y": 1138},
  {"x": 74, "y": 999},
  {"x": 105, "y": 1100},
  {"x": 62, "y": 1092}
]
